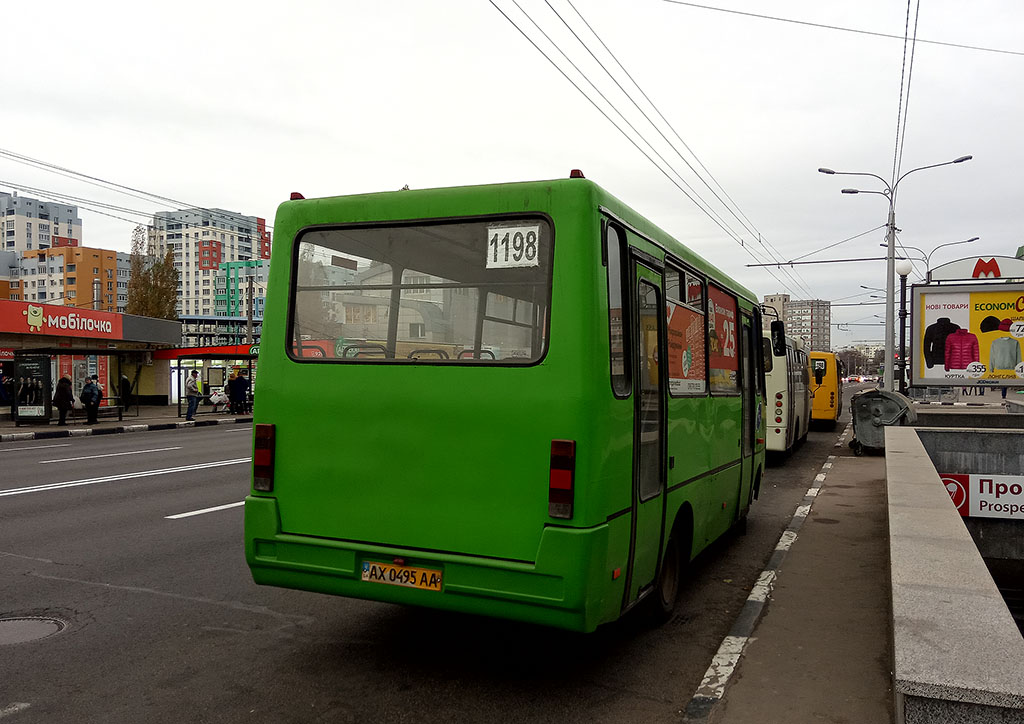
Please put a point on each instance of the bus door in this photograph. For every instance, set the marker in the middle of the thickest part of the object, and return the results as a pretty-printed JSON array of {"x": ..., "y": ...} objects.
[
  {"x": 751, "y": 415},
  {"x": 648, "y": 432}
]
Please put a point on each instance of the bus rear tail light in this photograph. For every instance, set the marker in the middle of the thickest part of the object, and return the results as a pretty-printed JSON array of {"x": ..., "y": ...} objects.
[
  {"x": 562, "y": 478},
  {"x": 263, "y": 458}
]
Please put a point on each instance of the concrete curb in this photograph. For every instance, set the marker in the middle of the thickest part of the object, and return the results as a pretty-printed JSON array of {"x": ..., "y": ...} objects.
[{"x": 83, "y": 432}]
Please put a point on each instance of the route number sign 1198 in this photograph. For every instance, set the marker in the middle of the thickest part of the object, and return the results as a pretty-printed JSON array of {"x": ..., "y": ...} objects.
[{"x": 513, "y": 246}]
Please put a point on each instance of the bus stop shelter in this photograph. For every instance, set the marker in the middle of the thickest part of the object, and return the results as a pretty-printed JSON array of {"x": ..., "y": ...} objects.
[{"x": 213, "y": 364}]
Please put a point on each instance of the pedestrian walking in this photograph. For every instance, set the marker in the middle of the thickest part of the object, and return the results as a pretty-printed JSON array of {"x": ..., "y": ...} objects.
[
  {"x": 229, "y": 390},
  {"x": 192, "y": 393},
  {"x": 63, "y": 399},
  {"x": 127, "y": 399},
  {"x": 240, "y": 393},
  {"x": 91, "y": 397}
]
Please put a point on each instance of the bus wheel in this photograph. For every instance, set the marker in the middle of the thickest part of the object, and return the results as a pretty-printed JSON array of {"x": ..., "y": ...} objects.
[{"x": 662, "y": 600}]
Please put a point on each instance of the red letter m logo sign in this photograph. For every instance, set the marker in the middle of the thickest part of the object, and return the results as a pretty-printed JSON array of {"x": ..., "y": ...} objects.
[{"x": 989, "y": 269}]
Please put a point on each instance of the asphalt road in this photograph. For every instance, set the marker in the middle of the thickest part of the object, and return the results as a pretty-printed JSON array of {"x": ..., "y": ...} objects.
[{"x": 164, "y": 623}]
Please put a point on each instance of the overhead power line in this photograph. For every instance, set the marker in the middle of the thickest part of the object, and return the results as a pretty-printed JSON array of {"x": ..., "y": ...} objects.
[
  {"x": 732, "y": 207},
  {"x": 825, "y": 26},
  {"x": 850, "y": 238},
  {"x": 111, "y": 185},
  {"x": 685, "y": 188}
]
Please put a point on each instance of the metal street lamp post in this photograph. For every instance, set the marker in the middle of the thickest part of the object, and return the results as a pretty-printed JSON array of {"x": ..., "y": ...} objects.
[
  {"x": 927, "y": 256},
  {"x": 890, "y": 194},
  {"x": 903, "y": 267}
]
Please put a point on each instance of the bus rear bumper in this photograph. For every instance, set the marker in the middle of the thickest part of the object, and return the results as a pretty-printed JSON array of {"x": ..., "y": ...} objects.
[{"x": 568, "y": 586}]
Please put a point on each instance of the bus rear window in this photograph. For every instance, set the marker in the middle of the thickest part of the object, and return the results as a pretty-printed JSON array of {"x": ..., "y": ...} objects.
[{"x": 473, "y": 292}]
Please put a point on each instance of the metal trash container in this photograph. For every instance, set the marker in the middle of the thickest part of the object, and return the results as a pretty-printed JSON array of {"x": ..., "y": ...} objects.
[{"x": 872, "y": 410}]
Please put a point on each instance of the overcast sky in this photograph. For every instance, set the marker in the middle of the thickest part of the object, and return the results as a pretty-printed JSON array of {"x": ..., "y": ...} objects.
[{"x": 234, "y": 105}]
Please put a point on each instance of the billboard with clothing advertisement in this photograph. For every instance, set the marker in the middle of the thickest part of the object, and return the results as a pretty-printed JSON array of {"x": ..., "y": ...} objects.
[{"x": 968, "y": 334}]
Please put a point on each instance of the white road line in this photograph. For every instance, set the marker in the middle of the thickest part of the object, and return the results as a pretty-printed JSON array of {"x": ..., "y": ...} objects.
[
  {"x": 204, "y": 510},
  {"x": 763, "y": 586},
  {"x": 722, "y": 666},
  {"x": 240, "y": 429},
  {"x": 13, "y": 708},
  {"x": 724, "y": 663},
  {"x": 37, "y": 447},
  {"x": 110, "y": 455},
  {"x": 126, "y": 476},
  {"x": 786, "y": 541}
]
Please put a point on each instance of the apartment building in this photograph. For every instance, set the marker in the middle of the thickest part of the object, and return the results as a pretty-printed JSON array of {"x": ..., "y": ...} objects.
[
  {"x": 806, "y": 319},
  {"x": 774, "y": 303},
  {"x": 30, "y": 224},
  {"x": 201, "y": 241},
  {"x": 231, "y": 288},
  {"x": 73, "y": 276},
  {"x": 124, "y": 271}
]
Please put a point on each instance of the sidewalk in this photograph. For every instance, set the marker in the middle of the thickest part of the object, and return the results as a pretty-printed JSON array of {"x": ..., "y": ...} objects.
[
  {"x": 822, "y": 650},
  {"x": 149, "y": 417}
]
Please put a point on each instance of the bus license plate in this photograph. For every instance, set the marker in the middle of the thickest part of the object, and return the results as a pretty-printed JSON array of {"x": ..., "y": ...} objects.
[{"x": 424, "y": 579}]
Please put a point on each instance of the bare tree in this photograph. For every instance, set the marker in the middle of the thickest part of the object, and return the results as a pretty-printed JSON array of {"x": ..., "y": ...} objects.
[{"x": 153, "y": 284}]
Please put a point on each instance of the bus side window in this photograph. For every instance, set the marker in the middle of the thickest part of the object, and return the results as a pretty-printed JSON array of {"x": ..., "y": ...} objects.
[{"x": 615, "y": 241}]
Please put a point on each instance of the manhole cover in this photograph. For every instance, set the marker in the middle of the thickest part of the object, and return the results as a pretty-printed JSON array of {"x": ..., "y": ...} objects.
[{"x": 20, "y": 630}]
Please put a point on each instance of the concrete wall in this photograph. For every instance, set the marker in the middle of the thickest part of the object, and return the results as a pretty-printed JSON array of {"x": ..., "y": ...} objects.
[
  {"x": 957, "y": 651},
  {"x": 945, "y": 416},
  {"x": 975, "y": 451}
]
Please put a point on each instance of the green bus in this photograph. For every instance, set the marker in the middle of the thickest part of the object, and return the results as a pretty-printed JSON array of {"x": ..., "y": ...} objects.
[{"x": 519, "y": 400}]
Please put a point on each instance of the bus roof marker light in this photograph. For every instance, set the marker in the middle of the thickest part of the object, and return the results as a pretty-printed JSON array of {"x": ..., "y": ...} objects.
[
  {"x": 296, "y": 196},
  {"x": 561, "y": 479},
  {"x": 576, "y": 173}
]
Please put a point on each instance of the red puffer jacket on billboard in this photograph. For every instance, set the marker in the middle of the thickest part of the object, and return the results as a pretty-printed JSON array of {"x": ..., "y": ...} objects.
[{"x": 961, "y": 350}]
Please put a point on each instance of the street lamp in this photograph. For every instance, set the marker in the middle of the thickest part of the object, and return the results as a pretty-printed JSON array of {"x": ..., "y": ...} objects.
[
  {"x": 903, "y": 267},
  {"x": 927, "y": 256},
  {"x": 890, "y": 194}
]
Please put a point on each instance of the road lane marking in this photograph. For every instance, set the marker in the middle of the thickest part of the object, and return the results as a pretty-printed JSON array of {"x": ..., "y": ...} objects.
[
  {"x": 110, "y": 455},
  {"x": 36, "y": 447},
  {"x": 13, "y": 708},
  {"x": 726, "y": 659},
  {"x": 126, "y": 476},
  {"x": 204, "y": 510},
  {"x": 240, "y": 429}
]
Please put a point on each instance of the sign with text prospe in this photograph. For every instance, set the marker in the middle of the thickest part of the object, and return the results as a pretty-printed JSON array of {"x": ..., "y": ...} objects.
[{"x": 986, "y": 496}]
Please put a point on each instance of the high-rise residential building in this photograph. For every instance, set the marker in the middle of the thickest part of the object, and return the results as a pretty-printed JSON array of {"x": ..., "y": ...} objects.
[
  {"x": 811, "y": 321},
  {"x": 231, "y": 288},
  {"x": 807, "y": 319},
  {"x": 30, "y": 224},
  {"x": 201, "y": 241},
  {"x": 73, "y": 276},
  {"x": 776, "y": 303},
  {"x": 124, "y": 271}
]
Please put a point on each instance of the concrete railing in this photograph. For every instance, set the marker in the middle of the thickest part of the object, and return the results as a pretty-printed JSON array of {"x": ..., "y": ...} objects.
[{"x": 958, "y": 655}]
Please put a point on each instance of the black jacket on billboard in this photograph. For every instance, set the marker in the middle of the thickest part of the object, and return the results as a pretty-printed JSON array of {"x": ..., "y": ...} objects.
[{"x": 935, "y": 341}]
